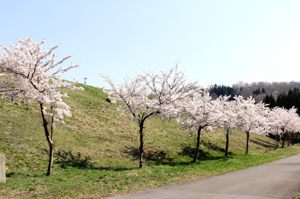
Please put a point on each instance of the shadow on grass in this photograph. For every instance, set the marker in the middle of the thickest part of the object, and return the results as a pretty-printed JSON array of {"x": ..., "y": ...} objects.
[
  {"x": 152, "y": 156},
  {"x": 214, "y": 147},
  {"x": 264, "y": 143},
  {"x": 202, "y": 155},
  {"x": 20, "y": 174},
  {"x": 68, "y": 159},
  {"x": 159, "y": 157}
]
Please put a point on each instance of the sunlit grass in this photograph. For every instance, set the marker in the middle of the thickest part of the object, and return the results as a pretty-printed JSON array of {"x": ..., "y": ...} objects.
[{"x": 107, "y": 142}]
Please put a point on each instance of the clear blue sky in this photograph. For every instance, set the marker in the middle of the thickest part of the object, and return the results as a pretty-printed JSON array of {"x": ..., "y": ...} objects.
[{"x": 213, "y": 41}]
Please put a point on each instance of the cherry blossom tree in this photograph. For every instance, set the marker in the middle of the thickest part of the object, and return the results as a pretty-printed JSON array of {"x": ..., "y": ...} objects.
[
  {"x": 252, "y": 117},
  {"x": 36, "y": 78},
  {"x": 275, "y": 124},
  {"x": 294, "y": 128},
  {"x": 150, "y": 94},
  {"x": 228, "y": 117},
  {"x": 197, "y": 112},
  {"x": 290, "y": 124},
  {"x": 280, "y": 120}
]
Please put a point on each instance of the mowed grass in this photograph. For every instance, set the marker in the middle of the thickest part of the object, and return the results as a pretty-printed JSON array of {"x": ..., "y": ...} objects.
[{"x": 98, "y": 148}]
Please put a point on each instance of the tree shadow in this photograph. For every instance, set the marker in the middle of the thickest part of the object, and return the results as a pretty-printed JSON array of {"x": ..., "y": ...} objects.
[
  {"x": 152, "y": 156},
  {"x": 68, "y": 159},
  {"x": 214, "y": 147},
  {"x": 20, "y": 174},
  {"x": 263, "y": 143},
  {"x": 159, "y": 157},
  {"x": 202, "y": 155}
]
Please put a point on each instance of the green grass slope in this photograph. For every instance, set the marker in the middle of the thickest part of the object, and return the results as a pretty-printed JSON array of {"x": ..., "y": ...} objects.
[{"x": 97, "y": 151}]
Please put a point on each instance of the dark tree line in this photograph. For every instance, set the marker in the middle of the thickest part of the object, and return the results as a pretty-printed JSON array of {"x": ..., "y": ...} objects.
[
  {"x": 292, "y": 98},
  {"x": 259, "y": 91},
  {"x": 221, "y": 90},
  {"x": 282, "y": 94}
]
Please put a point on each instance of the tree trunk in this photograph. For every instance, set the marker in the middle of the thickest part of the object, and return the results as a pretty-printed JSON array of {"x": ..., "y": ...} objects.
[
  {"x": 49, "y": 140},
  {"x": 52, "y": 124},
  {"x": 198, "y": 144},
  {"x": 247, "y": 142},
  {"x": 51, "y": 158},
  {"x": 277, "y": 141},
  {"x": 282, "y": 139},
  {"x": 293, "y": 139},
  {"x": 141, "y": 149},
  {"x": 288, "y": 139},
  {"x": 227, "y": 142}
]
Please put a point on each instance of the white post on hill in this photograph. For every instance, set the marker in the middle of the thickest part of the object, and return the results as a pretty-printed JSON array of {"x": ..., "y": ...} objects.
[{"x": 2, "y": 169}]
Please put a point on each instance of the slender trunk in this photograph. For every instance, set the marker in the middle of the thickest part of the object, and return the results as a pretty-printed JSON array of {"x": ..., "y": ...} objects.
[
  {"x": 288, "y": 139},
  {"x": 52, "y": 124},
  {"x": 198, "y": 144},
  {"x": 282, "y": 138},
  {"x": 278, "y": 138},
  {"x": 247, "y": 142},
  {"x": 293, "y": 139},
  {"x": 49, "y": 140},
  {"x": 141, "y": 149},
  {"x": 227, "y": 142},
  {"x": 50, "y": 161},
  {"x": 277, "y": 141}
]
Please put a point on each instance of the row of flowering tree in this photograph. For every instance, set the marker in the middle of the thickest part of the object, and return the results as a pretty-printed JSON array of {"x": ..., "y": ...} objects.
[
  {"x": 168, "y": 95},
  {"x": 31, "y": 74}
]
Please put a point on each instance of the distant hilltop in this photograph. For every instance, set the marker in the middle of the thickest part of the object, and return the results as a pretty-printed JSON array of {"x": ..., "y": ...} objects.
[
  {"x": 282, "y": 94},
  {"x": 258, "y": 90}
]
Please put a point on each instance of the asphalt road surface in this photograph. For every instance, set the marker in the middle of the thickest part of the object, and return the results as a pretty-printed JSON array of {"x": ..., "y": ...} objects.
[{"x": 278, "y": 179}]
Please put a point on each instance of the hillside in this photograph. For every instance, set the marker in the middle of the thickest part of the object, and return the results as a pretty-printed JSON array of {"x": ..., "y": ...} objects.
[{"x": 97, "y": 150}]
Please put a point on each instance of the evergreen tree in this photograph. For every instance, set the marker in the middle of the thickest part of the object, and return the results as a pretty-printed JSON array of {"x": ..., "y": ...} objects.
[{"x": 270, "y": 101}]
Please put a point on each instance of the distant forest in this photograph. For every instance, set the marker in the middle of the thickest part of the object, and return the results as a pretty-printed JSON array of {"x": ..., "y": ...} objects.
[{"x": 282, "y": 94}]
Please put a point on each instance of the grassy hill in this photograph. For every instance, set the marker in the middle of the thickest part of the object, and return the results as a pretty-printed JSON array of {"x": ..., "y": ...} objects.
[{"x": 97, "y": 151}]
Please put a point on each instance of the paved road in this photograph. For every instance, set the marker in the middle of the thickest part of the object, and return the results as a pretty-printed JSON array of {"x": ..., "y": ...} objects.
[{"x": 278, "y": 179}]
